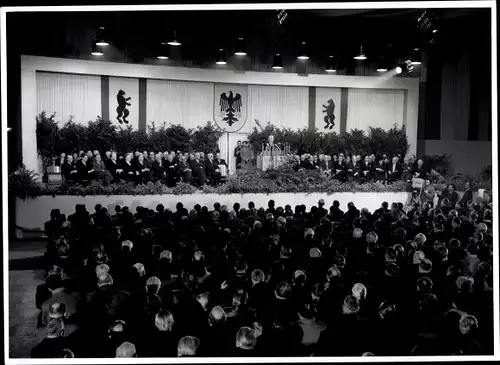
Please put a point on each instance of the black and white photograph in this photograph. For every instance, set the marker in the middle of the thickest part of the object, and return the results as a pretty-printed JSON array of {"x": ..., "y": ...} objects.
[{"x": 250, "y": 182}]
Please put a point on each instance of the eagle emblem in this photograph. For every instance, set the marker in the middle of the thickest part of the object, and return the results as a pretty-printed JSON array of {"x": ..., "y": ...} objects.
[{"x": 230, "y": 105}]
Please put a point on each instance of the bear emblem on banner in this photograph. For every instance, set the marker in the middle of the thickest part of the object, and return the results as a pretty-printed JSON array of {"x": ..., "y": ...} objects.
[{"x": 230, "y": 107}]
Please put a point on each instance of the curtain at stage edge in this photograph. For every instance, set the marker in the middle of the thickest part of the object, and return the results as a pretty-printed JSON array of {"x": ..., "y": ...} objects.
[
  {"x": 455, "y": 98},
  {"x": 282, "y": 106},
  {"x": 131, "y": 88},
  {"x": 374, "y": 108},
  {"x": 69, "y": 95},
  {"x": 189, "y": 104},
  {"x": 323, "y": 95}
]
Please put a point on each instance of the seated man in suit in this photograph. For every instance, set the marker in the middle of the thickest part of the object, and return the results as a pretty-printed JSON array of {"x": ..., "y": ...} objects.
[
  {"x": 170, "y": 170},
  {"x": 219, "y": 161},
  {"x": 420, "y": 170},
  {"x": 69, "y": 169},
  {"x": 129, "y": 170},
  {"x": 84, "y": 168},
  {"x": 340, "y": 169},
  {"x": 142, "y": 166},
  {"x": 198, "y": 167},
  {"x": 100, "y": 170},
  {"x": 380, "y": 173},
  {"x": 366, "y": 170},
  {"x": 158, "y": 168},
  {"x": 395, "y": 170},
  {"x": 212, "y": 170},
  {"x": 113, "y": 166},
  {"x": 184, "y": 170}
]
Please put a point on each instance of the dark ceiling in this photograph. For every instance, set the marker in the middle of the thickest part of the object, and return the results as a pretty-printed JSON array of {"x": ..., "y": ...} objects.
[{"x": 134, "y": 36}]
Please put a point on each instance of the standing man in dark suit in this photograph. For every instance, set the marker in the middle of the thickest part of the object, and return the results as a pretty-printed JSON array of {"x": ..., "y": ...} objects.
[
  {"x": 237, "y": 154},
  {"x": 395, "y": 171},
  {"x": 198, "y": 167}
]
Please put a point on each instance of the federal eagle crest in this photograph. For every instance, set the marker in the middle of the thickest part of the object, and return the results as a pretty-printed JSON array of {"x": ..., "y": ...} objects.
[{"x": 230, "y": 105}]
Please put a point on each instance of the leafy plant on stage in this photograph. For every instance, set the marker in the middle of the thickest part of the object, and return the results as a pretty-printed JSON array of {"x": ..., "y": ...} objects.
[
  {"x": 47, "y": 138},
  {"x": 178, "y": 138},
  {"x": 378, "y": 141},
  {"x": 24, "y": 183},
  {"x": 206, "y": 138}
]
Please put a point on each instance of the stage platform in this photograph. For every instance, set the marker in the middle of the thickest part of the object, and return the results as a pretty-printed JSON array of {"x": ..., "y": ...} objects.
[{"x": 31, "y": 214}]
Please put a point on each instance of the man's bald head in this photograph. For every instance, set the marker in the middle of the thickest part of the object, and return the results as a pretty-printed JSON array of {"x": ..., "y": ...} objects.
[
  {"x": 126, "y": 349},
  {"x": 217, "y": 316}
]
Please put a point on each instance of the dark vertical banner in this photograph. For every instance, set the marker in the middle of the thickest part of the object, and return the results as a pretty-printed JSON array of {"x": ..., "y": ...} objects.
[
  {"x": 142, "y": 104},
  {"x": 344, "y": 104},
  {"x": 312, "y": 108},
  {"x": 105, "y": 97}
]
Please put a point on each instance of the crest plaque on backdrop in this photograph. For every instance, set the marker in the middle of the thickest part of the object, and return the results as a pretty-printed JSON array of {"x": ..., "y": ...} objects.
[{"x": 230, "y": 106}]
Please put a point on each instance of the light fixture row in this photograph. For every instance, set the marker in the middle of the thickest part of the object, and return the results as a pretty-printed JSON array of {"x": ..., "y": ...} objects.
[{"x": 100, "y": 42}]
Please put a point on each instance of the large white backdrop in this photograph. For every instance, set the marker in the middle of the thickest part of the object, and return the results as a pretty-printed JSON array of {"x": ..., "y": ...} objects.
[
  {"x": 374, "y": 107},
  {"x": 69, "y": 96}
]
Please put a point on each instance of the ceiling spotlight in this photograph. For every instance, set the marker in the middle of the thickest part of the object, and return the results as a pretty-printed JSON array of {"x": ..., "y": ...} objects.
[
  {"x": 361, "y": 56},
  {"x": 241, "y": 51},
  {"x": 163, "y": 54},
  {"x": 303, "y": 52},
  {"x": 277, "y": 62},
  {"x": 100, "y": 38},
  {"x": 331, "y": 65},
  {"x": 175, "y": 41},
  {"x": 434, "y": 31},
  {"x": 416, "y": 57},
  {"x": 382, "y": 65},
  {"x": 221, "y": 57},
  {"x": 97, "y": 50}
]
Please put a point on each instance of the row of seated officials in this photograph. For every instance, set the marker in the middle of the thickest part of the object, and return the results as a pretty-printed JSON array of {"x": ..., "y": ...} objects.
[
  {"x": 167, "y": 168},
  {"x": 368, "y": 168}
]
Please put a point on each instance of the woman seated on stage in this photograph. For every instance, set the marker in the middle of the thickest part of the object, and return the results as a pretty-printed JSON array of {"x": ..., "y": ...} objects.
[{"x": 100, "y": 171}]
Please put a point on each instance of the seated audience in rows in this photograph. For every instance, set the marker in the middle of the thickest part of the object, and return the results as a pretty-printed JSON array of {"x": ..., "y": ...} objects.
[{"x": 250, "y": 281}]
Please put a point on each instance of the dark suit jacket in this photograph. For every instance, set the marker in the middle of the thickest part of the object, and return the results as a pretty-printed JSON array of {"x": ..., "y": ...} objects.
[
  {"x": 220, "y": 162},
  {"x": 158, "y": 169},
  {"x": 396, "y": 174},
  {"x": 422, "y": 172},
  {"x": 210, "y": 168},
  {"x": 66, "y": 169},
  {"x": 83, "y": 169},
  {"x": 170, "y": 168},
  {"x": 112, "y": 167},
  {"x": 128, "y": 169},
  {"x": 60, "y": 162}
]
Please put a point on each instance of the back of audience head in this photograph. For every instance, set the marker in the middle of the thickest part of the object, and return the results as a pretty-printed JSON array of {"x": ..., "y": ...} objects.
[{"x": 188, "y": 346}]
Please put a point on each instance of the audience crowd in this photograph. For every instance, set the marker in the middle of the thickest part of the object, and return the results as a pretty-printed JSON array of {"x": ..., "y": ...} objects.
[
  {"x": 276, "y": 281},
  {"x": 199, "y": 168}
]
